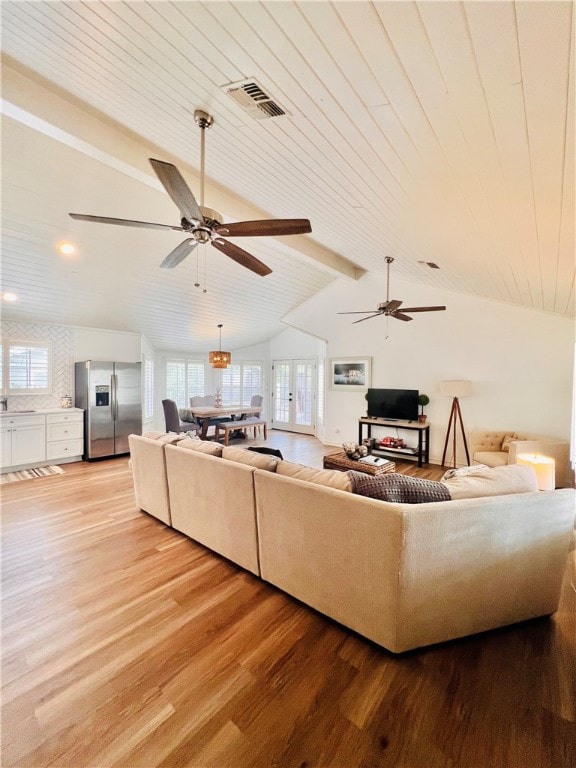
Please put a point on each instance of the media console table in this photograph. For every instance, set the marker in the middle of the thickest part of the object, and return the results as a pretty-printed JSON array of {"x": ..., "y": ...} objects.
[{"x": 421, "y": 453}]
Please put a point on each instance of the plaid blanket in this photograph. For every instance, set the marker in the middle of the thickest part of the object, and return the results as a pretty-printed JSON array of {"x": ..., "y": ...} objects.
[{"x": 401, "y": 489}]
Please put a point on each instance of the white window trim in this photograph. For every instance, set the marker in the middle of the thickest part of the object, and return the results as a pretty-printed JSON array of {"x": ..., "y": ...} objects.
[{"x": 6, "y": 390}]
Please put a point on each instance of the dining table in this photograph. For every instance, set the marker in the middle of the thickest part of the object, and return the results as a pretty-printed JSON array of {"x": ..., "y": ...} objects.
[{"x": 203, "y": 413}]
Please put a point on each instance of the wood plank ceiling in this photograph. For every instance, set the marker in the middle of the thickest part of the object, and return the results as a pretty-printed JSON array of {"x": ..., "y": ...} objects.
[{"x": 432, "y": 132}]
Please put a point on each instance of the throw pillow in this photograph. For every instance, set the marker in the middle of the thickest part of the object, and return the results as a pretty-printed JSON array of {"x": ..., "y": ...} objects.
[
  {"x": 242, "y": 456},
  {"x": 493, "y": 481},
  {"x": 202, "y": 446},
  {"x": 506, "y": 442},
  {"x": 331, "y": 478},
  {"x": 397, "y": 488}
]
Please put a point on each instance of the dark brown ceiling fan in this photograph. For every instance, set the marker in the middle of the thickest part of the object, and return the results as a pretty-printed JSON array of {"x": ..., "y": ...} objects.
[
  {"x": 391, "y": 308},
  {"x": 204, "y": 224}
]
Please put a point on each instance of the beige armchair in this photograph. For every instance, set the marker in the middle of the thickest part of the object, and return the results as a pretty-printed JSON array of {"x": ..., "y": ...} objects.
[{"x": 497, "y": 448}]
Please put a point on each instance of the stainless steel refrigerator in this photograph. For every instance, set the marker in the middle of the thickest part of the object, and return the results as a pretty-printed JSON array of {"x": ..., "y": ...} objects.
[{"x": 111, "y": 395}]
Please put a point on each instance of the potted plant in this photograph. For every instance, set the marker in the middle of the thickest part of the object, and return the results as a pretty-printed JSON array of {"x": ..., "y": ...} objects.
[{"x": 422, "y": 401}]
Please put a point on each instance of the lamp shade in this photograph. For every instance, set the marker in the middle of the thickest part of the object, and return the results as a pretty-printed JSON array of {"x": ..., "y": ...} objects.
[
  {"x": 456, "y": 388},
  {"x": 543, "y": 466},
  {"x": 217, "y": 358}
]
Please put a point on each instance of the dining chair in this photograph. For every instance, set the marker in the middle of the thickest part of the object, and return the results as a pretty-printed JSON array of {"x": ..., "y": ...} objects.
[
  {"x": 172, "y": 419},
  {"x": 256, "y": 402}
]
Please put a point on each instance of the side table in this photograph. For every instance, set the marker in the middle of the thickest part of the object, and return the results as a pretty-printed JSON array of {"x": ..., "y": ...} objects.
[{"x": 343, "y": 463}]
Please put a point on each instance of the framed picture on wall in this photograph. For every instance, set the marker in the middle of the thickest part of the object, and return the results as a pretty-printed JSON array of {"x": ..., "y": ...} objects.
[{"x": 350, "y": 373}]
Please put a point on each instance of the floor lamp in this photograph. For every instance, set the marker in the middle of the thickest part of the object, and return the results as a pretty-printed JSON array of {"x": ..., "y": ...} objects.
[{"x": 455, "y": 389}]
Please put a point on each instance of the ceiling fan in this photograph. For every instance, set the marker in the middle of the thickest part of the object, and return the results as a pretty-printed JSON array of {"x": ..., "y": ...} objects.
[
  {"x": 204, "y": 224},
  {"x": 391, "y": 308}
]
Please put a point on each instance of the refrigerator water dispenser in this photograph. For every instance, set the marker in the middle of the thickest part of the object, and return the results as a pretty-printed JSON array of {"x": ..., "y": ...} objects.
[{"x": 103, "y": 395}]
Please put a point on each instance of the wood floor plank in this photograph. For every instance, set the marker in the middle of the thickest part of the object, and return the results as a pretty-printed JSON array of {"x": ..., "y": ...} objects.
[{"x": 127, "y": 645}]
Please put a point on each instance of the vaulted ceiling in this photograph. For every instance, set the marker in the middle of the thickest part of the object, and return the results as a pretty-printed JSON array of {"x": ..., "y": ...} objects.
[{"x": 429, "y": 131}]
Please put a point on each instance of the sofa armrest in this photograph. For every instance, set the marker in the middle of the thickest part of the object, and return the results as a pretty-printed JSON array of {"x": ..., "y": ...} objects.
[{"x": 556, "y": 450}]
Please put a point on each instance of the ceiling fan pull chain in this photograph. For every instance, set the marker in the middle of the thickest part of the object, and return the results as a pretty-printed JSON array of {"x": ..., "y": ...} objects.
[
  {"x": 197, "y": 283},
  {"x": 205, "y": 288}
]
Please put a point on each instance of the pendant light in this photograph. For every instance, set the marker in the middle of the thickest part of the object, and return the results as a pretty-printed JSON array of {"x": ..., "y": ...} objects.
[{"x": 219, "y": 359}]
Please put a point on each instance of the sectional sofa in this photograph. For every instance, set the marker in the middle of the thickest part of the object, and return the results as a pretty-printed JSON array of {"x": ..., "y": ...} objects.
[{"x": 402, "y": 575}]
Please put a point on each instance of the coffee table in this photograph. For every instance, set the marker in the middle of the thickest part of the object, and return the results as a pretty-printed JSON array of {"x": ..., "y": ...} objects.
[{"x": 343, "y": 463}]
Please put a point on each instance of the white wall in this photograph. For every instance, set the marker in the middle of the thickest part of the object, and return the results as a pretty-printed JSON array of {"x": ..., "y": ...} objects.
[
  {"x": 97, "y": 344},
  {"x": 519, "y": 361}
]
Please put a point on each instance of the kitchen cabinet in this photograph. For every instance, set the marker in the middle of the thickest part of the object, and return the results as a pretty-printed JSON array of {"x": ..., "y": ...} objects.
[
  {"x": 41, "y": 437},
  {"x": 64, "y": 435},
  {"x": 23, "y": 439}
]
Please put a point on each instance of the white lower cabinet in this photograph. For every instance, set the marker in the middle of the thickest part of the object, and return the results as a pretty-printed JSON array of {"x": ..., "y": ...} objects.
[
  {"x": 64, "y": 435},
  {"x": 41, "y": 438},
  {"x": 23, "y": 440}
]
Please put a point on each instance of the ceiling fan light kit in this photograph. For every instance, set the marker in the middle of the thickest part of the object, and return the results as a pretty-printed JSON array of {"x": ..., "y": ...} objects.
[
  {"x": 391, "y": 307},
  {"x": 205, "y": 225}
]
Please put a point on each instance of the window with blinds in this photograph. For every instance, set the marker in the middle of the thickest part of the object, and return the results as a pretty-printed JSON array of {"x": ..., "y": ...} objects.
[
  {"x": 26, "y": 368},
  {"x": 240, "y": 381},
  {"x": 184, "y": 379}
]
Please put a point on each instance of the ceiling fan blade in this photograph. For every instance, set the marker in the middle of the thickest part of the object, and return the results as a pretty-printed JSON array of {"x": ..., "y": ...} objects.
[
  {"x": 241, "y": 257},
  {"x": 367, "y": 318},
  {"x": 179, "y": 253},
  {"x": 392, "y": 305},
  {"x": 400, "y": 316},
  {"x": 265, "y": 227},
  {"x": 365, "y": 312},
  {"x": 422, "y": 309},
  {"x": 122, "y": 222},
  {"x": 173, "y": 182}
]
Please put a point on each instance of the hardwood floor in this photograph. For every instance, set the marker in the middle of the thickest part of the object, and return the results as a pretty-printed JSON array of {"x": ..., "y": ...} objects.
[{"x": 126, "y": 644}]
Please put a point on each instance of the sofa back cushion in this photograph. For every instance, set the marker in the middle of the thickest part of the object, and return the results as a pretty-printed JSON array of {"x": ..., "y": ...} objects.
[
  {"x": 331, "y": 478},
  {"x": 203, "y": 446},
  {"x": 493, "y": 481},
  {"x": 165, "y": 438},
  {"x": 258, "y": 460}
]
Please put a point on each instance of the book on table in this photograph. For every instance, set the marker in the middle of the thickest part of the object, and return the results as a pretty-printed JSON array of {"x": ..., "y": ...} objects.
[{"x": 375, "y": 461}]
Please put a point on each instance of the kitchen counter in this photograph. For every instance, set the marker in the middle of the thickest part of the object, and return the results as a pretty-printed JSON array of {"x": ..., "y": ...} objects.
[{"x": 41, "y": 411}]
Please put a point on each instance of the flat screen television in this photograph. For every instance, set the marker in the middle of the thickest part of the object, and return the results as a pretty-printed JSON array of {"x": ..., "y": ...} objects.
[{"x": 393, "y": 404}]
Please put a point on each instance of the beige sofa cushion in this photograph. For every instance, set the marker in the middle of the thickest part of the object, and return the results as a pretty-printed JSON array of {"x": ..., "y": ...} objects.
[
  {"x": 492, "y": 458},
  {"x": 203, "y": 446},
  {"x": 165, "y": 438},
  {"x": 252, "y": 459},
  {"x": 493, "y": 481},
  {"x": 212, "y": 501},
  {"x": 331, "y": 478}
]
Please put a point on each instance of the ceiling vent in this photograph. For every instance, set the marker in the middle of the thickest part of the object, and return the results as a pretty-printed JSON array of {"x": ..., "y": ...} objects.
[{"x": 249, "y": 95}]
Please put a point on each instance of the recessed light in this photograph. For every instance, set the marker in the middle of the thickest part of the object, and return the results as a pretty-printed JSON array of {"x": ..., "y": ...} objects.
[
  {"x": 8, "y": 296},
  {"x": 66, "y": 248}
]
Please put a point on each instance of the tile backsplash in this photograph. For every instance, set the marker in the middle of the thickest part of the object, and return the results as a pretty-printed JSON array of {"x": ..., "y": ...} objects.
[{"x": 62, "y": 342}]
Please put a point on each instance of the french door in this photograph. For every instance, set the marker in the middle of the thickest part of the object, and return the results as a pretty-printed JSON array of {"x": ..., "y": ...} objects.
[{"x": 293, "y": 395}]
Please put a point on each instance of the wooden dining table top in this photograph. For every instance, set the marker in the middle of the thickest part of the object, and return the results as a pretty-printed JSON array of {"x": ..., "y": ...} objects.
[{"x": 200, "y": 412}]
